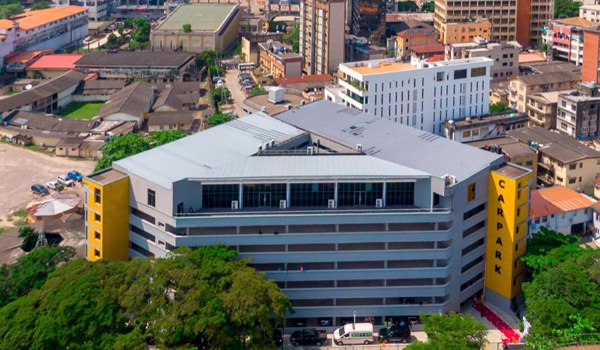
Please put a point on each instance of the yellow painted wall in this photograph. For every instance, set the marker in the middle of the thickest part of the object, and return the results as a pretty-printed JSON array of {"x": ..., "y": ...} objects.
[
  {"x": 507, "y": 210},
  {"x": 113, "y": 226}
]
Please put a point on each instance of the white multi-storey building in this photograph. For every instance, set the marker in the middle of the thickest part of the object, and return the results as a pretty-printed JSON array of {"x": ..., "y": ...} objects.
[{"x": 421, "y": 94}]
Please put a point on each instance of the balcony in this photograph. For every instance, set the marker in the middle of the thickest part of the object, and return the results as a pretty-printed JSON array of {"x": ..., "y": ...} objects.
[
  {"x": 354, "y": 101},
  {"x": 353, "y": 86}
]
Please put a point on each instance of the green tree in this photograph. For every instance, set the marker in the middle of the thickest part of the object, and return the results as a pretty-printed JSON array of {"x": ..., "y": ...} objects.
[
  {"x": 207, "y": 58},
  {"x": 566, "y": 8},
  {"x": 428, "y": 7},
  {"x": 218, "y": 118},
  {"x": 499, "y": 107},
  {"x": 293, "y": 38},
  {"x": 407, "y": 6},
  {"x": 112, "y": 41},
  {"x": 216, "y": 70},
  {"x": 220, "y": 95},
  {"x": 124, "y": 146},
  {"x": 40, "y": 5},
  {"x": 187, "y": 28},
  {"x": 30, "y": 237},
  {"x": 451, "y": 332},
  {"x": 30, "y": 271},
  {"x": 206, "y": 298},
  {"x": 141, "y": 32},
  {"x": 10, "y": 9},
  {"x": 547, "y": 248},
  {"x": 257, "y": 91},
  {"x": 580, "y": 330}
]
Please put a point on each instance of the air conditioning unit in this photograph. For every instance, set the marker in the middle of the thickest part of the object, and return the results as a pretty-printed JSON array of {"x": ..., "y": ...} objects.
[
  {"x": 449, "y": 180},
  {"x": 235, "y": 205},
  {"x": 331, "y": 204},
  {"x": 282, "y": 204},
  {"x": 310, "y": 150},
  {"x": 379, "y": 203}
]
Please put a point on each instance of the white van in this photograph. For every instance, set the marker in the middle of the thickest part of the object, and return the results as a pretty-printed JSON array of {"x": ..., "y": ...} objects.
[{"x": 354, "y": 333}]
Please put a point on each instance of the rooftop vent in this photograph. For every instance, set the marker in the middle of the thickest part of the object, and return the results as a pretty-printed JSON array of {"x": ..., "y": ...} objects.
[{"x": 276, "y": 94}]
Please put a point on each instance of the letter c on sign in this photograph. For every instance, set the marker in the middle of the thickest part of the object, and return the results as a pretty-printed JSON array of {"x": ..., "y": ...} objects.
[{"x": 501, "y": 183}]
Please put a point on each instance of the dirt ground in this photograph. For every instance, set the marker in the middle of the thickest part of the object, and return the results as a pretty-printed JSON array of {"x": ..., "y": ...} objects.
[{"x": 20, "y": 168}]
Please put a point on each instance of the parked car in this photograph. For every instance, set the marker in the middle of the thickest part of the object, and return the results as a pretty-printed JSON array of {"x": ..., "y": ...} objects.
[
  {"x": 74, "y": 175},
  {"x": 357, "y": 333},
  {"x": 277, "y": 337},
  {"x": 52, "y": 185},
  {"x": 63, "y": 179},
  {"x": 217, "y": 79},
  {"x": 87, "y": 38},
  {"x": 308, "y": 336},
  {"x": 393, "y": 334},
  {"x": 39, "y": 189}
]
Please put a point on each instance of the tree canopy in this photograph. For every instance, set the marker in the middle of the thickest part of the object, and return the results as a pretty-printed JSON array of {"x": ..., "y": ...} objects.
[
  {"x": 293, "y": 38},
  {"x": 407, "y": 6},
  {"x": 563, "y": 294},
  {"x": 499, "y": 107},
  {"x": 39, "y": 5},
  {"x": 218, "y": 118},
  {"x": 428, "y": 6},
  {"x": 127, "y": 145},
  {"x": 201, "y": 299},
  {"x": 10, "y": 8},
  {"x": 451, "y": 332},
  {"x": 566, "y": 8},
  {"x": 255, "y": 91},
  {"x": 30, "y": 237},
  {"x": 140, "y": 38},
  {"x": 112, "y": 41}
]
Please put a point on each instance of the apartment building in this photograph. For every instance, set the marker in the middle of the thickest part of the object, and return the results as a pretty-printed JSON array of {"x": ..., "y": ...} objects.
[
  {"x": 482, "y": 127},
  {"x": 590, "y": 13},
  {"x": 504, "y": 55},
  {"x": 322, "y": 201},
  {"x": 366, "y": 18},
  {"x": 359, "y": 49},
  {"x": 578, "y": 112},
  {"x": 465, "y": 32},
  {"x": 524, "y": 85},
  {"x": 520, "y": 20},
  {"x": 414, "y": 37},
  {"x": 279, "y": 60},
  {"x": 322, "y": 35},
  {"x": 98, "y": 9},
  {"x": 563, "y": 161},
  {"x": 52, "y": 28},
  {"x": 541, "y": 108},
  {"x": 591, "y": 55},
  {"x": 565, "y": 37},
  {"x": 419, "y": 94}
]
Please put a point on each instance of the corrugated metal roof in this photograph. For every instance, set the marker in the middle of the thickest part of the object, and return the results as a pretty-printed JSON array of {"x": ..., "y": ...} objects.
[
  {"x": 555, "y": 200},
  {"x": 388, "y": 140}
]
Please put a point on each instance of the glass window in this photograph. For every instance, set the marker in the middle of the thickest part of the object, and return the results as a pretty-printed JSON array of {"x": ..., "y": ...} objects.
[
  {"x": 359, "y": 194},
  {"x": 263, "y": 195},
  {"x": 219, "y": 196},
  {"x": 311, "y": 195},
  {"x": 460, "y": 74},
  {"x": 97, "y": 196},
  {"x": 471, "y": 192},
  {"x": 97, "y": 217},
  {"x": 151, "y": 198},
  {"x": 400, "y": 193},
  {"x": 477, "y": 72}
]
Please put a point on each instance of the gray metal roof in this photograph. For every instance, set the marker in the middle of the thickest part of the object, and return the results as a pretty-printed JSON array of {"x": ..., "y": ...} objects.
[
  {"x": 388, "y": 140},
  {"x": 312, "y": 167},
  {"x": 195, "y": 155}
]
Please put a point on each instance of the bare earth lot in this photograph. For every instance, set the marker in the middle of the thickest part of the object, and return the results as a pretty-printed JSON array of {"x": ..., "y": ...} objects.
[{"x": 20, "y": 168}]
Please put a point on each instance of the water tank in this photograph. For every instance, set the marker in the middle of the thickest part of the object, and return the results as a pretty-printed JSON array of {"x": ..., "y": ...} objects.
[{"x": 276, "y": 94}]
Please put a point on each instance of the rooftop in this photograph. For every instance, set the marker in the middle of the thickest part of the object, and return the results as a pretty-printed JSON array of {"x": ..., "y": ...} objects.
[
  {"x": 549, "y": 78},
  {"x": 556, "y": 145},
  {"x": 557, "y": 199},
  {"x": 44, "y": 90},
  {"x": 48, "y": 122},
  {"x": 548, "y": 97},
  {"x": 32, "y": 19},
  {"x": 575, "y": 21},
  {"x": 389, "y": 65},
  {"x": 166, "y": 118},
  {"x": 202, "y": 17},
  {"x": 134, "y": 100},
  {"x": 510, "y": 147},
  {"x": 513, "y": 171},
  {"x": 529, "y": 57},
  {"x": 551, "y": 67},
  {"x": 496, "y": 118},
  {"x": 105, "y": 177},
  {"x": 56, "y": 61},
  {"x": 24, "y": 57},
  {"x": 317, "y": 78},
  {"x": 426, "y": 49},
  {"x": 259, "y": 101},
  {"x": 383, "y": 139},
  {"x": 407, "y": 33},
  {"x": 149, "y": 59}
]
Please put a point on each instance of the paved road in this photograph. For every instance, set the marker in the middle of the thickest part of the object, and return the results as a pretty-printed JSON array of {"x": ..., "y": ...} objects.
[
  {"x": 237, "y": 95},
  {"x": 96, "y": 43}
]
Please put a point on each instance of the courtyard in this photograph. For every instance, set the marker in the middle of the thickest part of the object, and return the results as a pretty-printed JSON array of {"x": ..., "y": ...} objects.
[{"x": 81, "y": 110}]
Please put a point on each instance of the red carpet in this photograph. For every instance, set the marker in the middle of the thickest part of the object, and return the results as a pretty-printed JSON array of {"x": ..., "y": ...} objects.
[{"x": 509, "y": 333}]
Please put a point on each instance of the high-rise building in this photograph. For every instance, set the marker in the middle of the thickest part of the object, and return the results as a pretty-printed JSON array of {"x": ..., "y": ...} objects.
[
  {"x": 420, "y": 94},
  {"x": 346, "y": 212},
  {"x": 367, "y": 19},
  {"x": 322, "y": 35},
  {"x": 519, "y": 20}
]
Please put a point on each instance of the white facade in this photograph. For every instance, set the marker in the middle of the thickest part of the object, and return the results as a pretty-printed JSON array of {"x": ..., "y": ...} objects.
[
  {"x": 590, "y": 13},
  {"x": 561, "y": 222},
  {"x": 422, "y": 94}
]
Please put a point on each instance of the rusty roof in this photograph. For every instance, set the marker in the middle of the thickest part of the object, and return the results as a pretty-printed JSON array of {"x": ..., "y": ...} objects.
[{"x": 557, "y": 199}]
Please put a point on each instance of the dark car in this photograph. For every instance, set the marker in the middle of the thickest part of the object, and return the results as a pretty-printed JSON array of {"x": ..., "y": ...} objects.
[
  {"x": 39, "y": 189},
  {"x": 394, "y": 334},
  {"x": 308, "y": 336},
  {"x": 277, "y": 337}
]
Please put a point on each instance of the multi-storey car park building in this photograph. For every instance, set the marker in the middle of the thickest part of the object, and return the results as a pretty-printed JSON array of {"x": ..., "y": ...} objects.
[
  {"x": 419, "y": 94},
  {"x": 344, "y": 211}
]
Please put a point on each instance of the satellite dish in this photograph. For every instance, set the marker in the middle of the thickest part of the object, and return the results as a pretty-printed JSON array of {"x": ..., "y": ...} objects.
[{"x": 28, "y": 87}]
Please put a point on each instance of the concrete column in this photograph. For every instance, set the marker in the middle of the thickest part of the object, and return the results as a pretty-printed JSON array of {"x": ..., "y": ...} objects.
[
  {"x": 288, "y": 196},
  {"x": 383, "y": 194},
  {"x": 335, "y": 194},
  {"x": 240, "y": 196}
]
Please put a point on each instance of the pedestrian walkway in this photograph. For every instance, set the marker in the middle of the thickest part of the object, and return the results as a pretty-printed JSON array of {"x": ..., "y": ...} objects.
[{"x": 496, "y": 321}]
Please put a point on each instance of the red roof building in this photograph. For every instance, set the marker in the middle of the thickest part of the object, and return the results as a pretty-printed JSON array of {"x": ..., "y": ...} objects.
[{"x": 51, "y": 66}]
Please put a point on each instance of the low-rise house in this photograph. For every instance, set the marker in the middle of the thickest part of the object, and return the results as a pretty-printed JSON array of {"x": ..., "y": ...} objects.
[
  {"x": 47, "y": 97},
  {"x": 563, "y": 161},
  {"x": 130, "y": 65},
  {"x": 178, "y": 96},
  {"x": 52, "y": 66},
  {"x": 275, "y": 102},
  {"x": 541, "y": 109},
  {"x": 310, "y": 86},
  {"x": 93, "y": 90},
  {"x": 179, "y": 120},
  {"x": 131, "y": 104},
  {"x": 279, "y": 60},
  {"x": 560, "y": 209},
  {"x": 16, "y": 62},
  {"x": 250, "y": 45},
  {"x": 414, "y": 37},
  {"x": 486, "y": 126}
]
